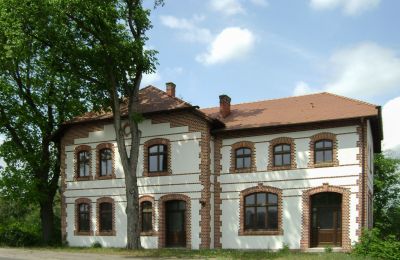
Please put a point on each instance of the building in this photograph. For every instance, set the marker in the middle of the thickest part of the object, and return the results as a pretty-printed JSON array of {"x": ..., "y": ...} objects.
[{"x": 295, "y": 171}]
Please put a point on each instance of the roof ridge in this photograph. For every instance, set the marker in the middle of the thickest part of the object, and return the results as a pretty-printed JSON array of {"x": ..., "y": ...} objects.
[
  {"x": 163, "y": 92},
  {"x": 271, "y": 99},
  {"x": 351, "y": 99}
]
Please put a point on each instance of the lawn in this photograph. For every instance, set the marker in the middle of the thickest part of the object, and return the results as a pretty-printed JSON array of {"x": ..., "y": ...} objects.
[{"x": 205, "y": 254}]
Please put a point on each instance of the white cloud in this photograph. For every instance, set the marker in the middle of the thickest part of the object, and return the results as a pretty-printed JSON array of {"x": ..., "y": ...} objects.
[
  {"x": 227, "y": 7},
  {"x": 364, "y": 70},
  {"x": 349, "y": 7},
  {"x": 302, "y": 88},
  {"x": 391, "y": 126},
  {"x": 189, "y": 30},
  {"x": 262, "y": 3},
  {"x": 231, "y": 43},
  {"x": 150, "y": 79}
]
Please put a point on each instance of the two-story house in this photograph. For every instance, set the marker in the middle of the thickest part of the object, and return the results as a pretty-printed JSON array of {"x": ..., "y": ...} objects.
[{"x": 295, "y": 171}]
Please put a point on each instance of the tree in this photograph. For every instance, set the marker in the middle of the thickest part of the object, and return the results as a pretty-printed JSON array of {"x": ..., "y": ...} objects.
[
  {"x": 102, "y": 43},
  {"x": 387, "y": 194},
  {"x": 35, "y": 99}
]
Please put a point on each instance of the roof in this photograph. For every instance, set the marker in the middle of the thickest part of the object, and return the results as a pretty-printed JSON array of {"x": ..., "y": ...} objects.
[
  {"x": 151, "y": 100},
  {"x": 293, "y": 110}
]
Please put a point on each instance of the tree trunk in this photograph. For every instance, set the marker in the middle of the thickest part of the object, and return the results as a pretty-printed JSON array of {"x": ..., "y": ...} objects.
[{"x": 47, "y": 220}]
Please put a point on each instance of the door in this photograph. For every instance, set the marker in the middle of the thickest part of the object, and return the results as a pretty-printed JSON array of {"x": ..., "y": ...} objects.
[
  {"x": 326, "y": 219},
  {"x": 175, "y": 223}
]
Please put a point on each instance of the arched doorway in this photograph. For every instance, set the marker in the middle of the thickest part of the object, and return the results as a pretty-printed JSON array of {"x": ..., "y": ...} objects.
[
  {"x": 175, "y": 226},
  {"x": 326, "y": 219}
]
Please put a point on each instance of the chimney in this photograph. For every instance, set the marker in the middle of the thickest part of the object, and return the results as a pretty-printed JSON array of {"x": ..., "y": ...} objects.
[
  {"x": 224, "y": 105},
  {"x": 170, "y": 89}
]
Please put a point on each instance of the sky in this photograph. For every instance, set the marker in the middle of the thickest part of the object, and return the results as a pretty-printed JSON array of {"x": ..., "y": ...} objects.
[{"x": 261, "y": 49}]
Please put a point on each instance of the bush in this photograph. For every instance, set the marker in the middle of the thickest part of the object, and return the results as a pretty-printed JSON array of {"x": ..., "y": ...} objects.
[
  {"x": 96, "y": 244},
  {"x": 372, "y": 245},
  {"x": 17, "y": 235}
]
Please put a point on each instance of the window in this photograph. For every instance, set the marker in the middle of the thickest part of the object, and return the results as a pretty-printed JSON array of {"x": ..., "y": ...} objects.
[
  {"x": 323, "y": 151},
  {"x": 83, "y": 164},
  {"x": 84, "y": 217},
  {"x": 106, "y": 218},
  {"x": 243, "y": 158},
  {"x": 261, "y": 211},
  {"x": 105, "y": 162},
  {"x": 157, "y": 158},
  {"x": 147, "y": 216},
  {"x": 282, "y": 155}
]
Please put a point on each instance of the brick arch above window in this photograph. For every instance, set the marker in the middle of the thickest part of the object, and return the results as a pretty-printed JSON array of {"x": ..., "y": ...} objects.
[
  {"x": 78, "y": 149},
  {"x": 162, "y": 220},
  {"x": 153, "y": 215},
  {"x": 257, "y": 189},
  {"x": 277, "y": 141},
  {"x": 76, "y": 230},
  {"x": 306, "y": 203},
  {"x": 146, "y": 147},
  {"x": 243, "y": 144},
  {"x": 98, "y": 164},
  {"x": 319, "y": 137},
  {"x": 98, "y": 202}
]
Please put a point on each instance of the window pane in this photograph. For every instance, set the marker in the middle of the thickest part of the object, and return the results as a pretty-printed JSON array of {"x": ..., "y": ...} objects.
[
  {"x": 247, "y": 151},
  {"x": 328, "y": 155},
  {"x": 153, "y": 163},
  {"x": 86, "y": 170},
  {"x": 239, "y": 151},
  {"x": 278, "y": 148},
  {"x": 161, "y": 148},
  {"x": 146, "y": 222},
  {"x": 286, "y": 159},
  {"x": 261, "y": 198},
  {"x": 261, "y": 211},
  {"x": 250, "y": 200},
  {"x": 105, "y": 216},
  {"x": 161, "y": 162},
  {"x": 153, "y": 149},
  {"x": 328, "y": 144},
  {"x": 272, "y": 217},
  {"x": 239, "y": 163},
  {"x": 278, "y": 160},
  {"x": 83, "y": 221},
  {"x": 247, "y": 162},
  {"x": 249, "y": 217},
  {"x": 319, "y": 145},
  {"x": 272, "y": 198},
  {"x": 286, "y": 148},
  {"x": 103, "y": 171},
  {"x": 319, "y": 156}
]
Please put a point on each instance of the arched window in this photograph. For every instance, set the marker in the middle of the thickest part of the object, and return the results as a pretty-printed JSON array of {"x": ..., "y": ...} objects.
[
  {"x": 83, "y": 217},
  {"x": 158, "y": 155},
  {"x": 243, "y": 158},
  {"x": 323, "y": 151},
  {"x": 147, "y": 216},
  {"x": 83, "y": 164},
  {"x": 105, "y": 162},
  {"x": 282, "y": 155},
  {"x": 106, "y": 217},
  {"x": 261, "y": 211}
]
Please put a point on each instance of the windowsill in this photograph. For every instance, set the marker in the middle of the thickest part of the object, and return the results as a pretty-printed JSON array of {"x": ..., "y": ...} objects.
[
  {"x": 155, "y": 174},
  {"x": 260, "y": 232},
  {"x": 324, "y": 164},
  {"x": 84, "y": 178},
  {"x": 105, "y": 233},
  {"x": 108, "y": 177},
  {"x": 280, "y": 168},
  {"x": 148, "y": 233},
  {"x": 83, "y": 233},
  {"x": 243, "y": 170}
]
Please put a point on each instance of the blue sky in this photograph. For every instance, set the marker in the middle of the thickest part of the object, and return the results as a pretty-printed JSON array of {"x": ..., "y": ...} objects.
[{"x": 261, "y": 49}]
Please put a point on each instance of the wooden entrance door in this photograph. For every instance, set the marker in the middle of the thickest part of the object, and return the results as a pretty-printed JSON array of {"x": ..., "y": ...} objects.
[
  {"x": 326, "y": 219},
  {"x": 175, "y": 223}
]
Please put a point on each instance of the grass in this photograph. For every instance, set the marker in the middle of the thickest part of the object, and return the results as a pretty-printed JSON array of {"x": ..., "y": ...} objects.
[{"x": 202, "y": 254}]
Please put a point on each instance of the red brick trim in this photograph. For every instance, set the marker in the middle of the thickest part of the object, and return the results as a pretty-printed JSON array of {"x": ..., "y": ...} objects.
[
  {"x": 76, "y": 231},
  {"x": 243, "y": 144},
  {"x": 105, "y": 233},
  {"x": 146, "y": 146},
  {"x": 282, "y": 140},
  {"x": 161, "y": 218},
  {"x": 260, "y": 188},
  {"x": 153, "y": 215},
  {"x": 217, "y": 193},
  {"x": 362, "y": 179},
  {"x": 77, "y": 150},
  {"x": 324, "y": 136},
  {"x": 98, "y": 149},
  {"x": 306, "y": 214}
]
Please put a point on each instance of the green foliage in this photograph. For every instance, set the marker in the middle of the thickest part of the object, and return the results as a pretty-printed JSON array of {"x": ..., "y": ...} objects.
[
  {"x": 371, "y": 244},
  {"x": 285, "y": 250},
  {"x": 328, "y": 249},
  {"x": 96, "y": 244},
  {"x": 17, "y": 235}
]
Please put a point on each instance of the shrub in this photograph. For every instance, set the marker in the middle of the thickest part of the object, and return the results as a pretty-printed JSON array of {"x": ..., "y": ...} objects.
[
  {"x": 96, "y": 244},
  {"x": 17, "y": 235},
  {"x": 285, "y": 249},
  {"x": 372, "y": 245},
  {"x": 328, "y": 249}
]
